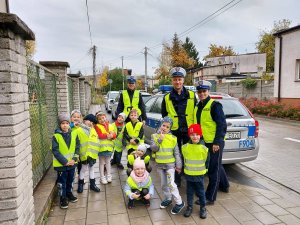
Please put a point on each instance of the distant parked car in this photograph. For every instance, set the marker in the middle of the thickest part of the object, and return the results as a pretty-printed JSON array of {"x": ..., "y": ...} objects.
[
  {"x": 241, "y": 143},
  {"x": 111, "y": 96},
  {"x": 145, "y": 96}
]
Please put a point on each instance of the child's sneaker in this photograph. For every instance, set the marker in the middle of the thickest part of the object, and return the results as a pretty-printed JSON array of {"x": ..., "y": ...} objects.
[
  {"x": 165, "y": 203},
  {"x": 103, "y": 180},
  {"x": 109, "y": 178},
  {"x": 146, "y": 202},
  {"x": 64, "y": 204},
  {"x": 203, "y": 213},
  {"x": 130, "y": 204},
  {"x": 120, "y": 166},
  {"x": 177, "y": 208},
  {"x": 71, "y": 197}
]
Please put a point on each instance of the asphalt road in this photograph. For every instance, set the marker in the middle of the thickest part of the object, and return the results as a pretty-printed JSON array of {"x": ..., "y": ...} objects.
[{"x": 279, "y": 154}]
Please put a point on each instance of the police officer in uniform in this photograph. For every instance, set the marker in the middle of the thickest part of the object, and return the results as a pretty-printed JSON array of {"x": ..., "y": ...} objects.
[
  {"x": 210, "y": 115},
  {"x": 179, "y": 105},
  {"x": 131, "y": 98}
]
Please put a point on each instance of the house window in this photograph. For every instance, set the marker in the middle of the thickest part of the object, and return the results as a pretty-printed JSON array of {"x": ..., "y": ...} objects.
[{"x": 298, "y": 69}]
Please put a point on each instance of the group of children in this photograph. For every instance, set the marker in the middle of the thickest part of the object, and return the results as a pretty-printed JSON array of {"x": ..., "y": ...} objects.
[{"x": 82, "y": 142}]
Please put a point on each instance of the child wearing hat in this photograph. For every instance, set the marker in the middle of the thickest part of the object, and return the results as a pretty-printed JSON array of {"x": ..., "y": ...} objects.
[
  {"x": 118, "y": 127},
  {"x": 65, "y": 149},
  {"x": 133, "y": 132},
  {"x": 195, "y": 156},
  {"x": 139, "y": 184},
  {"x": 168, "y": 159},
  {"x": 88, "y": 151},
  {"x": 106, "y": 135},
  {"x": 139, "y": 153}
]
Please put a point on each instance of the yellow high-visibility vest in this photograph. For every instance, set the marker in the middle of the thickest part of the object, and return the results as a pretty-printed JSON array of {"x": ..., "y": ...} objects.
[
  {"x": 195, "y": 156},
  {"x": 105, "y": 144},
  {"x": 133, "y": 104},
  {"x": 189, "y": 110},
  {"x": 166, "y": 148},
  {"x": 134, "y": 133}
]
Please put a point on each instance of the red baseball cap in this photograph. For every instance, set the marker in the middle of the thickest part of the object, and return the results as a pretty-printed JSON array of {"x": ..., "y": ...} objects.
[{"x": 195, "y": 128}]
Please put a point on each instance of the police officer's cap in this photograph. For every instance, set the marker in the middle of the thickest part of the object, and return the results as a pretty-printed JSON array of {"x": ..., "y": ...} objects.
[
  {"x": 203, "y": 85},
  {"x": 177, "y": 72},
  {"x": 131, "y": 79}
]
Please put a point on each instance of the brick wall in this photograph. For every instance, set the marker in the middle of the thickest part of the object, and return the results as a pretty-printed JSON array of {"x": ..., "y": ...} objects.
[
  {"x": 82, "y": 96},
  {"x": 16, "y": 191}
]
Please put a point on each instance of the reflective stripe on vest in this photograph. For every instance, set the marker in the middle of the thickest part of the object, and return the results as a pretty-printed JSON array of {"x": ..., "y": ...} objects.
[
  {"x": 195, "y": 156},
  {"x": 165, "y": 154},
  {"x": 133, "y": 104},
  {"x": 208, "y": 125},
  {"x": 118, "y": 146},
  {"x": 189, "y": 110},
  {"x": 68, "y": 153},
  {"x": 105, "y": 144},
  {"x": 133, "y": 133}
]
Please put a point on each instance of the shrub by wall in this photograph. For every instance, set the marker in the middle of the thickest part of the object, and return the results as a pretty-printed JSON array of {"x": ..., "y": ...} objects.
[{"x": 272, "y": 108}]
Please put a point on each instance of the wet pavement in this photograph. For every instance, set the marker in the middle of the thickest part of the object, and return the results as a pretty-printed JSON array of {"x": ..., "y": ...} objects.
[{"x": 253, "y": 199}]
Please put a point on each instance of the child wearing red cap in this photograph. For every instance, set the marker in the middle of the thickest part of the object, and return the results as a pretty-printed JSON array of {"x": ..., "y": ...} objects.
[{"x": 195, "y": 166}]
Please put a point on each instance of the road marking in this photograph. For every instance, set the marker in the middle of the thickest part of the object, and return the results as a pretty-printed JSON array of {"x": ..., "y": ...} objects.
[{"x": 292, "y": 139}]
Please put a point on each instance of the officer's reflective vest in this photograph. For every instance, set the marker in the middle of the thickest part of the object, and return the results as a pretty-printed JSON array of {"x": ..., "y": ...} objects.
[
  {"x": 133, "y": 104},
  {"x": 83, "y": 139},
  {"x": 194, "y": 156},
  {"x": 166, "y": 148},
  {"x": 105, "y": 144},
  {"x": 93, "y": 144},
  {"x": 133, "y": 185},
  {"x": 189, "y": 110},
  {"x": 134, "y": 133},
  {"x": 208, "y": 125},
  {"x": 68, "y": 153},
  {"x": 131, "y": 159},
  {"x": 118, "y": 146}
]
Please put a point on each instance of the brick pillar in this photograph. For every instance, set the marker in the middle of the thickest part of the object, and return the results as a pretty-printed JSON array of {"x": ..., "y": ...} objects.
[
  {"x": 76, "y": 98},
  {"x": 62, "y": 84},
  {"x": 82, "y": 95},
  {"x": 16, "y": 185},
  {"x": 87, "y": 95}
]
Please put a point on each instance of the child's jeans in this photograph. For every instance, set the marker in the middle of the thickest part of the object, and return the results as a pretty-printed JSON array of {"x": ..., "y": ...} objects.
[
  {"x": 198, "y": 188},
  {"x": 168, "y": 185},
  {"x": 117, "y": 157},
  {"x": 84, "y": 168},
  {"x": 65, "y": 180}
]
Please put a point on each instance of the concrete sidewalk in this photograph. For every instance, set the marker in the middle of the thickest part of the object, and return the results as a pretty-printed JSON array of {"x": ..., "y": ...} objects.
[{"x": 253, "y": 199}]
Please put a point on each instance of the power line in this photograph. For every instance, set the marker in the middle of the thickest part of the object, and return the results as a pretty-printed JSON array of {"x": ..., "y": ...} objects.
[{"x": 88, "y": 17}]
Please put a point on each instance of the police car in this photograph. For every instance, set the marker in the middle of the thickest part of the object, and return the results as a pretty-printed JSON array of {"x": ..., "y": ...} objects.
[{"x": 241, "y": 143}]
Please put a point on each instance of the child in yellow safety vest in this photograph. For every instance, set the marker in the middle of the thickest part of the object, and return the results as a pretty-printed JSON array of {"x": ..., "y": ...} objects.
[
  {"x": 168, "y": 159},
  {"x": 65, "y": 149},
  {"x": 88, "y": 154},
  {"x": 139, "y": 184},
  {"x": 139, "y": 153},
  {"x": 195, "y": 156},
  {"x": 133, "y": 132},
  {"x": 118, "y": 126},
  {"x": 106, "y": 135}
]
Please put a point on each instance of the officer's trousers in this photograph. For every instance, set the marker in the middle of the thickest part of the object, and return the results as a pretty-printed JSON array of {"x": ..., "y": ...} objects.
[{"x": 216, "y": 174}]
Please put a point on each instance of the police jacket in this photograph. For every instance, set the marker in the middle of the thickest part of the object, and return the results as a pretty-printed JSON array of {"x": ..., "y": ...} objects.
[
  {"x": 142, "y": 107},
  {"x": 180, "y": 103},
  {"x": 217, "y": 115},
  {"x": 58, "y": 155}
]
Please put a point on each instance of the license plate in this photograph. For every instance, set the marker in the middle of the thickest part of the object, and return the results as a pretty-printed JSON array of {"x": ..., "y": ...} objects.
[
  {"x": 247, "y": 143},
  {"x": 233, "y": 135}
]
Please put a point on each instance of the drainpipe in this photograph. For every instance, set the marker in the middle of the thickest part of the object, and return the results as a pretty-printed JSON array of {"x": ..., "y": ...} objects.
[{"x": 279, "y": 69}]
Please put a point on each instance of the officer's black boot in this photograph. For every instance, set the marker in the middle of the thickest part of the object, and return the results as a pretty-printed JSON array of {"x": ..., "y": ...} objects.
[
  {"x": 93, "y": 186},
  {"x": 80, "y": 186}
]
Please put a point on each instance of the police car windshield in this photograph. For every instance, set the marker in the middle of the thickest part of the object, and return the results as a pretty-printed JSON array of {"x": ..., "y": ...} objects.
[{"x": 233, "y": 108}]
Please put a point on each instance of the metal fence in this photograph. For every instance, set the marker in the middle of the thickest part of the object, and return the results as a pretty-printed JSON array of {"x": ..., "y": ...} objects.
[
  {"x": 70, "y": 94},
  {"x": 43, "y": 99}
]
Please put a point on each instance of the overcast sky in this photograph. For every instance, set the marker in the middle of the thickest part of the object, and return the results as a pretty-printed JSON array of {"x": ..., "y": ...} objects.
[{"x": 125, "y": 27}]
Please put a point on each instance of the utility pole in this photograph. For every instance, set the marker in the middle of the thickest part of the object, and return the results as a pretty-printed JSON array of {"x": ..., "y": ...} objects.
[
  {"x": 94, "y": 66},
  {"x": 145, "y": 53},
  {"x": 122, "y": 57}
]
